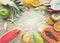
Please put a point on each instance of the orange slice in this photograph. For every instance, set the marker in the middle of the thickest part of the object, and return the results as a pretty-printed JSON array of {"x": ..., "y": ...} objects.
[
  {"x": 35, "y": 3},
  {"x": 49, "y": 21},
  {"x": 57, "y": 26}
]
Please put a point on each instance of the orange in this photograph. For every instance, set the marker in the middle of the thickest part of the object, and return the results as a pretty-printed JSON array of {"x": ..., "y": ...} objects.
[
  {"x": 57, "y": 26},
  {"x": 36, "y": 3},
  {"x": 49, "y": 21}
]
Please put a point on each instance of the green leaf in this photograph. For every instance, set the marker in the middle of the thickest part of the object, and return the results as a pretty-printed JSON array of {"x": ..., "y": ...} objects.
[{"x": 43, "y": 7}]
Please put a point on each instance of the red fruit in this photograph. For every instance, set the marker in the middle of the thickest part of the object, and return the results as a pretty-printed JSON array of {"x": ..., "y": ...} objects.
[{"x": 6, "y": 38}]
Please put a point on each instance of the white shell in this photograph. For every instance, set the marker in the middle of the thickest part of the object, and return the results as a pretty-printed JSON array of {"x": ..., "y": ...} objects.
[
  {"x": 5, "y": 26},
  {"x": 39, "y": 29}
]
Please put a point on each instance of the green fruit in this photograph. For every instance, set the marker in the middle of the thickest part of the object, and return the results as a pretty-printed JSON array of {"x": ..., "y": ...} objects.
[
  {"x": 4, "y": 13},
  {"x": 37, "y": 38},
  {"x": 55, "y": 17}
]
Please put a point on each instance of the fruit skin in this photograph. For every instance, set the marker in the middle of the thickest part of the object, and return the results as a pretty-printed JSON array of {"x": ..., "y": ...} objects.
[
  {"x": 36, "y": 3},
  {"x": 49, "y": 21},
  {"x": 26, "y": 37},
  {"x": 52, "y": 2},
  {"x": 53, "y": 6},
  {"x": 51, "y": 30},
  {"x": 9, "y": 36},
  {"x": 57, "y": 26},
  {"x": 58, "y": 42},
  {"x": 4, "y": 13},
  {"x": 27, "y": 3},
  {"x": 37, "y": 38}
]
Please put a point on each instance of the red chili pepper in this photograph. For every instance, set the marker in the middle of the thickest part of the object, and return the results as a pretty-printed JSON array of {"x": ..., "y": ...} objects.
[
  {"x": 48, "y": 38},
  {"x": 9, "y": 36}
]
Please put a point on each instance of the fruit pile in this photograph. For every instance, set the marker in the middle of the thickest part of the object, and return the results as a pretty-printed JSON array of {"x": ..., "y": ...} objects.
[
  {"x": 54, "y": 20},
  {"x": 34, "y": 3},
  {"x": 47, "y": 33}
]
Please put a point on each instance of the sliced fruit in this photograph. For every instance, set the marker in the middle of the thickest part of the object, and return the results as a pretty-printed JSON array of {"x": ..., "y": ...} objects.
[
  {"x": 55, "y": 5},
  {"x": 55, "y": 17},
  {"x": 58, "y": 42},
  {"x": 57, "y": 26},
  {"x": 27, "y": 3},
  {"x": 36, "y": 3},
  {"x": 47, "y": 34},
  {"x": 26, "y": 37},
  {"x": 49, "y": 21},
  {"x": 9, "y": 36},
  {"x": 37, "y": 38}
]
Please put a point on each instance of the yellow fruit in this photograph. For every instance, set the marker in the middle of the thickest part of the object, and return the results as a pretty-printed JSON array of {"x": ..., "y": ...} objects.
[
  {"x": 49, "y": 21},
  {"x": 26, "y": 37},
  {"x": 55, "y": 17},
  {"x": 27, "y": 3},
  {"x": 36, "y": 3},
  {"x": 57, "y": 26}
]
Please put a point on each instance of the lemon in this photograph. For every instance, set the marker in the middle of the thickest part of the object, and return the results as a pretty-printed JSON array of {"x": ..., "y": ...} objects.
[{"x": 27, "y": 3}]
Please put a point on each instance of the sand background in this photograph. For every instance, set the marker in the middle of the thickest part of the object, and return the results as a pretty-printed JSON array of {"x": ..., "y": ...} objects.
[{"x": 29, "y": 22}]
